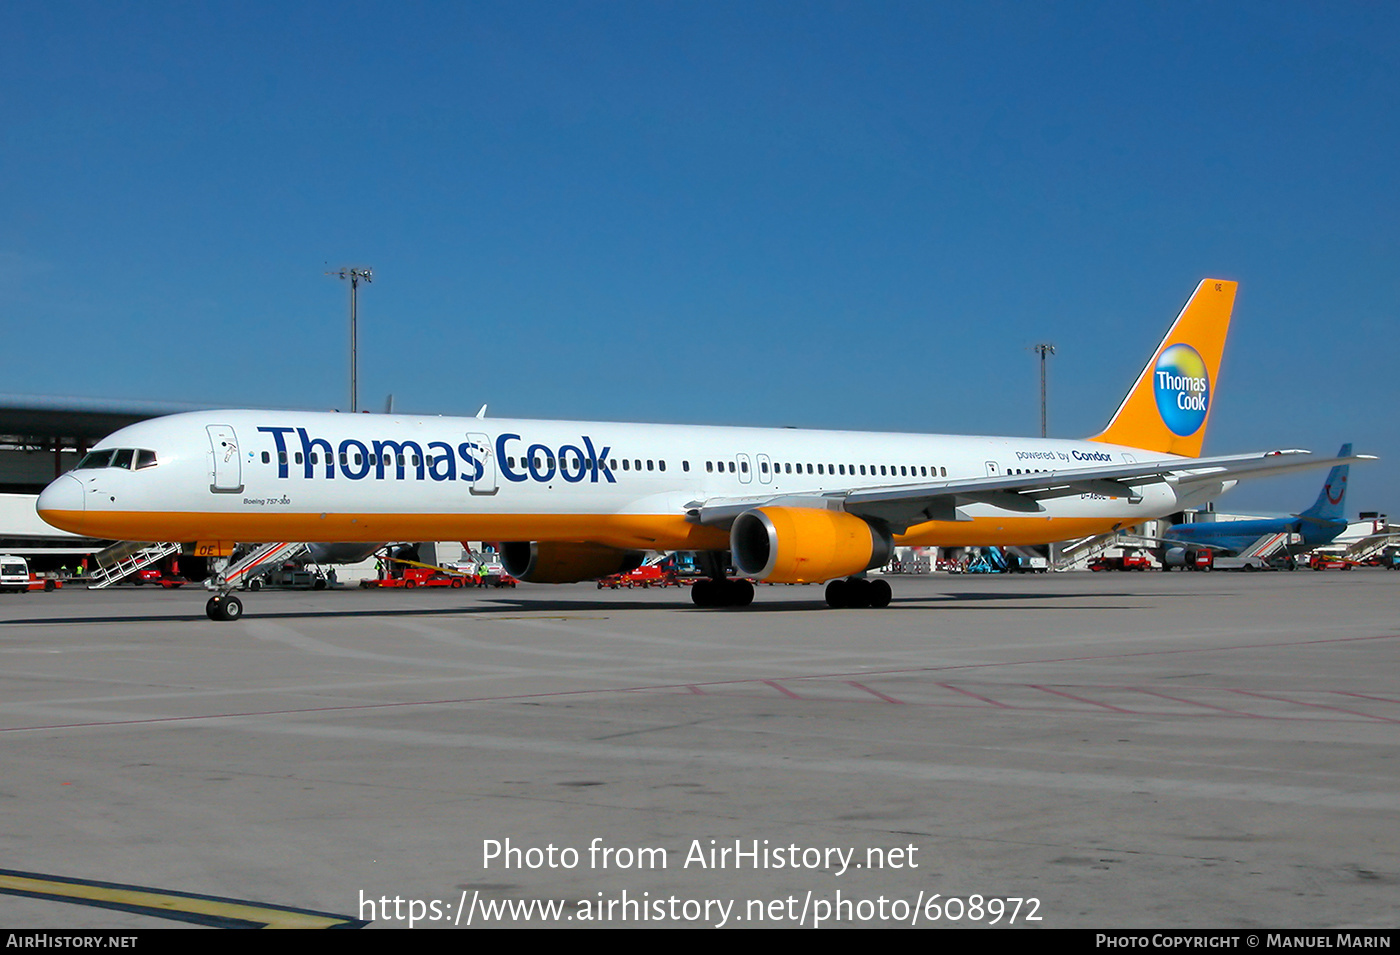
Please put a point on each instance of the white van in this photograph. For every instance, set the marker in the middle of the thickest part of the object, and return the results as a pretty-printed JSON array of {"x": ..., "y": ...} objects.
[{"x": 14, "y": 574}]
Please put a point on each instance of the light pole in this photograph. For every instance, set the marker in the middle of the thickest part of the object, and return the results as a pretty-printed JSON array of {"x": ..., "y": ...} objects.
[
  {"x": 1043, "y": 349},
  {"x": 354, "y": 275}
]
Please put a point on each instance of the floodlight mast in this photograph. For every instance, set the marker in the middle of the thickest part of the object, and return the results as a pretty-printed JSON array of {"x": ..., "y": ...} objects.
[
  {"x": 1043, "y": 349},
  {"x": 354, "y": 275}
]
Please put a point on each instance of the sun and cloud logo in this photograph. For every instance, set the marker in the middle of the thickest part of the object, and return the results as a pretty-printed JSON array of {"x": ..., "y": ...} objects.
[{"x": 1182, "y": 386}]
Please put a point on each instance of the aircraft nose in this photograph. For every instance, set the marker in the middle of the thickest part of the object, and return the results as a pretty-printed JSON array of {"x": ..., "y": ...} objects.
[{"x": 63, "y": 496}]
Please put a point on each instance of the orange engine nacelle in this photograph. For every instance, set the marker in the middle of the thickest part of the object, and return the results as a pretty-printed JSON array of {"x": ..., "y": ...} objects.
[
  {"x": 555, "y": 562},
  {"x": 799, "y": 545}
]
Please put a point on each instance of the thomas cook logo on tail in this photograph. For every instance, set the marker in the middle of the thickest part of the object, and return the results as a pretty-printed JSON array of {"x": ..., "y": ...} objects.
[{"x": 1182, "y": 387}]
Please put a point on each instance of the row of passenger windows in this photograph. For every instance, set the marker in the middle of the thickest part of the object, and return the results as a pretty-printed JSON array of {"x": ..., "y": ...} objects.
[
  {"x": 611, "y": 464},
  {"x": 847, "y": 470},
  {"x": 649, "y": 464},
  {"x": 132, "y": 459},
  {"x": 413, "y": 460}
]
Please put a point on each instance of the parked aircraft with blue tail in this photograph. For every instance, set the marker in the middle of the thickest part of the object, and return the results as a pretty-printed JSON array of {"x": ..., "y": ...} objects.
[{"x": 1318, "y": 525}]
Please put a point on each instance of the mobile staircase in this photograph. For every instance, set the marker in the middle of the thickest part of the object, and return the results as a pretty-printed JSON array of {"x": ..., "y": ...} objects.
[
  {"x": 255, "y": 563},
  {"x": 125, "y": 558}
]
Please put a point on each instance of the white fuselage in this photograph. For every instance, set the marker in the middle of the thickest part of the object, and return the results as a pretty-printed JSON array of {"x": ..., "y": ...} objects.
[{"x": 255, "y": 476}]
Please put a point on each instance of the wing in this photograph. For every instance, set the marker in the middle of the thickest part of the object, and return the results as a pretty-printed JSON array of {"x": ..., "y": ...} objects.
[{"x": 903, "y": 505}]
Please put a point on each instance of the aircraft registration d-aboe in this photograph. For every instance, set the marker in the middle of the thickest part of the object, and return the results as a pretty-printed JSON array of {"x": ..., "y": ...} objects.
[{"x": 576, "y": 500}]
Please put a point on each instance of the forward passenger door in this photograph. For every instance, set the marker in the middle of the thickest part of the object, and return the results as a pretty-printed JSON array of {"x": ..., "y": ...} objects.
[{"x": 226, "y": 461}]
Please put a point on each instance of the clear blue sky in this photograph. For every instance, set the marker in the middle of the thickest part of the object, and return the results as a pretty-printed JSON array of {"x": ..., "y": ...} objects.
[{"x": 851, "y": 215}]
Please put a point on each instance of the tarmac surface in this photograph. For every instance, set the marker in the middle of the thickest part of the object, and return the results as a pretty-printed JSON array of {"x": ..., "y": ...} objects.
[{"x": 1072, "y": 751}]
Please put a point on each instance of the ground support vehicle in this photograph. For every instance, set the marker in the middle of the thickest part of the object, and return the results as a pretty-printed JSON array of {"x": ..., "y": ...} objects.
[
  {"x": 15, "y": 577},
  {"x": 647, "y": 575},
  {"x": 1238, "y": 563},
  {"x": 1388, "y": 558},
  {"x": 153, "y": 575},
  {"x": 1241, "y": 563},
  {"x": 1128, "y": 561},
  {"x": 290, "y": 577},
  {"x": 414, "y": 577},
  {"x": 1321, "y": 561}
]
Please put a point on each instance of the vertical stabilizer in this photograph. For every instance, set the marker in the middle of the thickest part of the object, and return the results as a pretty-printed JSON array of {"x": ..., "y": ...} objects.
[
  {"x": 1331, "y": 502},
  {"x": 1169, "y": 406}
]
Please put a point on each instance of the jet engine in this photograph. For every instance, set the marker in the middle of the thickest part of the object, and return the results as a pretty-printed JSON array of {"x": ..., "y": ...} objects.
[
  {"x": 553, "y": 562},
  {"x": 798, "y": 545}
]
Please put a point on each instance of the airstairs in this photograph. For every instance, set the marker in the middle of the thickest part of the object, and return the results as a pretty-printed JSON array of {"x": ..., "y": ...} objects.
[
  {"x": 1079, "y": 553},
  {"x": 1368, "y": 547},
  {"x": 261, "y": 559},
  {"x": 1270, "y": 544},
  {"x": 989, "y": 561},
  {"x": 123, "y": 559}
]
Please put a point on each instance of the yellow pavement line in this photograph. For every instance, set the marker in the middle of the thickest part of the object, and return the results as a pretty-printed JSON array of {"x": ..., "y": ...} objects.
[{"x": 181, "y": 906}]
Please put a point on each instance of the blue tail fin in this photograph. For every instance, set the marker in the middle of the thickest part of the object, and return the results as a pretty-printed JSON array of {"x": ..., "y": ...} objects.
[{"x": 1331, "y": 503}]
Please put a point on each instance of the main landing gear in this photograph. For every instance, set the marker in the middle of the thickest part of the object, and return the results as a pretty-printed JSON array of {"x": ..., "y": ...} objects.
[
  {"x": 852, "y": 592},
  {"x": 722, "y": 592},
  {"x": 717, "y": 588},
  {"x": 858, "y": 592}
]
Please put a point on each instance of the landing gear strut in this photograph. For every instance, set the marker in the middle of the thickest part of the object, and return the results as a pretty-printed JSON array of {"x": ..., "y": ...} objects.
[{"x": 719, "y": 590}]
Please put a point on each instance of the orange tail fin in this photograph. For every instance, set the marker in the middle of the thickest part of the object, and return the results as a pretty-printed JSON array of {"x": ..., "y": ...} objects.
[{"x": 1168, "y": 408}]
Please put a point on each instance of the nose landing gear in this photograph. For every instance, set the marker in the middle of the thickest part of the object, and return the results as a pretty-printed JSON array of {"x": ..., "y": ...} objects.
[{"x": 224, "y": 607}]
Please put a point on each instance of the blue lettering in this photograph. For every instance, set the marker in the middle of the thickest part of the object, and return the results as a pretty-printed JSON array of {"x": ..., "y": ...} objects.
[
  {"x": 598, "y": 461},
  {"x": 544, "y": 470},
  {"x": 281, "y": 448},
  {"x": 567, "y": 454},
  {"x": 401, "y": 452},
  {"x": 308, "y": 451},
  {"x": 503, "y": 462},
  {"x": 442, "y": 467},
  {"x": 348, "y": 463},
  {"x": 478, "y": 469},
  {"x": 467, "y": 462}
]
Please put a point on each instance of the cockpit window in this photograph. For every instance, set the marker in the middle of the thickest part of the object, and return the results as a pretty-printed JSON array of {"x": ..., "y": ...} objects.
[
  {"x": 128, "y": 458},
  {"x": 95, "y": 459}
]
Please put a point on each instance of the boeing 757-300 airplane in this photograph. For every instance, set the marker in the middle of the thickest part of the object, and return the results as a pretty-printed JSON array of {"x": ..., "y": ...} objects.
[{"x": 577, "y": 500}]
